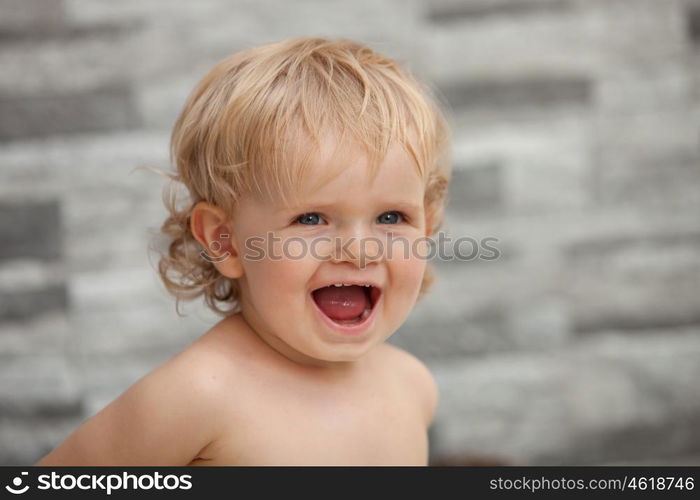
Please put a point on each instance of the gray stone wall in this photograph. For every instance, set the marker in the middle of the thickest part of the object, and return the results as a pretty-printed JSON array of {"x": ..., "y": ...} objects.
[{"x": 575, "y": 145}]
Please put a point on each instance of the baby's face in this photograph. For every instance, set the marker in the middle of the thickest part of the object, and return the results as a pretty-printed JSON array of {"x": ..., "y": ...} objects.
[{"x": 343, "y": 222}]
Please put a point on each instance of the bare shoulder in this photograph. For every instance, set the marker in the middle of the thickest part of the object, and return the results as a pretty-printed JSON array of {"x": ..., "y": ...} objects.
[
  {"x": 210, "y": 363},
  {"x": 211, "y": 353},
  {"x": 178, "y": 398},
  {"x": 416, "y": 376}
]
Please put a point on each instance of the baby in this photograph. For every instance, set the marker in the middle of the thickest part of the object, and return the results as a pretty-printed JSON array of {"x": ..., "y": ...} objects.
[{"x": 315, "y": 170}]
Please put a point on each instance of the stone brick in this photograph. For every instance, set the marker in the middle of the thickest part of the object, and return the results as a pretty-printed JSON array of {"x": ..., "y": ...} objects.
[
  {"x": 39, "y": 386},
  {"x": 576, "y": 145},
  {"x": 553, "y": 266},
  {"x": 476, "y": 318},
  {"x": 31, "y": 230},
  {"x": 58, "y": 32},
  {"x": 160, "y": 99},
  {"x": 29, "y": 273},
  {"x": 108, "y": 108},
  {"x": 579, "y": 406},
  {"x": 151, "y": 329},
  {"x": 125, "y": 311},
  {"x": 656, "y": 86},
  {"x": 483, "y": 306},
  {"x": 450, "y": 337},
  {"x": 649, "y": 181},
  {"x": 214, "y": 30},
  {"x": 82, "y": 163},
  {"x": 476, "y": 188},
  {"x": 446, "y": 11},
  {"x": 25, "y": 304},
  {"x": 41, "y": 335},
  {"x": 544, "y": 164},
  {"x": 468, "y": 252},
  {"x": 693, "y": 19},
  {"x": 102, "y": 209},
  {"x": 23, "y": 441},
  {"x": 589, "y": 39},
  {"x": 31, "y": 14},
  {"x": 73, "y": 59},
  {"x": 542, "y": 322},
  {"x": 635, "y": 283},
  {"x": 101, "y": 240},
  {"x": 535, "y": 93},
  {"x": 548, "y": 183},
  {"x": 647, "y": 159},
  {"x": 107, "y": 377}
]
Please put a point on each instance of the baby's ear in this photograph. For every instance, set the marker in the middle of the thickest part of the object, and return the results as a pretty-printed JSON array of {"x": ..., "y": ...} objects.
[
  {"x": 212, "y": 228},
  {"x": 434, "y": 216}
]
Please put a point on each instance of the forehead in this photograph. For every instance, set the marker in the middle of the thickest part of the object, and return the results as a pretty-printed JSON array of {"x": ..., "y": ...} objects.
[{"x": 347, "y": 169}]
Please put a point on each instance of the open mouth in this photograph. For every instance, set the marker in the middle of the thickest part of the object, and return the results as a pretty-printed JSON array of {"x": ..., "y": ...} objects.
[{"x": 346, "y": 304}]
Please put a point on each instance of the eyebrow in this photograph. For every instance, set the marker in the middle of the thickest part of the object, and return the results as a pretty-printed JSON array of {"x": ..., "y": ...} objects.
[{"x": 325, "y": 206}]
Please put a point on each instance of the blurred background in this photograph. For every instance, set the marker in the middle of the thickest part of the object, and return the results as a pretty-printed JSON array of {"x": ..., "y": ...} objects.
[{"x": 576, "y": 145}]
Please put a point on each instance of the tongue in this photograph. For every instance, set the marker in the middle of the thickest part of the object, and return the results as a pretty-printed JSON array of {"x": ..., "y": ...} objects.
[{"x": 341, "y": 302}]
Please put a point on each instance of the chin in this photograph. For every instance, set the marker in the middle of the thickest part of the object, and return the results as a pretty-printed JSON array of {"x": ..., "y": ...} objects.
[{"x": 344, "y": 353}]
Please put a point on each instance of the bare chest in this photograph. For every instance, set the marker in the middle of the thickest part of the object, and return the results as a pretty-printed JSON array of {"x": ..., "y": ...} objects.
[{"x": 377, "y": 427}]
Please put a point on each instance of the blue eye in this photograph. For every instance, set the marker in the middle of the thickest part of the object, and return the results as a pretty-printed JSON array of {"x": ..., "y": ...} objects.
[
  {"x": 309, "y": 219},
  {"x": 313, "y": 218},
  {"x": 392, "y": 219}
]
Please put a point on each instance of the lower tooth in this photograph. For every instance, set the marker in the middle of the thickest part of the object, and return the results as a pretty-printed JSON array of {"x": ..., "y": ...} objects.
[{"x": 364, "y": 315}]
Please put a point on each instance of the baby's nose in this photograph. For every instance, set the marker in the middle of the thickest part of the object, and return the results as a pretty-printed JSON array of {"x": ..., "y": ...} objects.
[{"x": 359, "y": 246}]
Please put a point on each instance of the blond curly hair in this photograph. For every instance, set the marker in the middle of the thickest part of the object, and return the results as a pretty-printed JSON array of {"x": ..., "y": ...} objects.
[{"x": 252, "y": 123}]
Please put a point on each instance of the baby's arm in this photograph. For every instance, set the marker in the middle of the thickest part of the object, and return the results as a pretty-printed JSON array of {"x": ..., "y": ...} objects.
[{"x": 165, "y": 418}]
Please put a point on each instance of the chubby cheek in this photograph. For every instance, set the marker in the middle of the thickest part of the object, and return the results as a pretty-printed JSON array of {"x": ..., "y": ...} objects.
[
  {"x": 278, "y": 287},
  {"x": 406, "y": 277}
]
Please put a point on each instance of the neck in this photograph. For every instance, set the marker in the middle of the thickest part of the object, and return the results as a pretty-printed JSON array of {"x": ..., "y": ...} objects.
[{"x": 299, "y": 359}]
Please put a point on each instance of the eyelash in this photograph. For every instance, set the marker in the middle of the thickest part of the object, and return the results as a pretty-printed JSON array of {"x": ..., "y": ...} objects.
[{"x": 403, "y": 217}]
